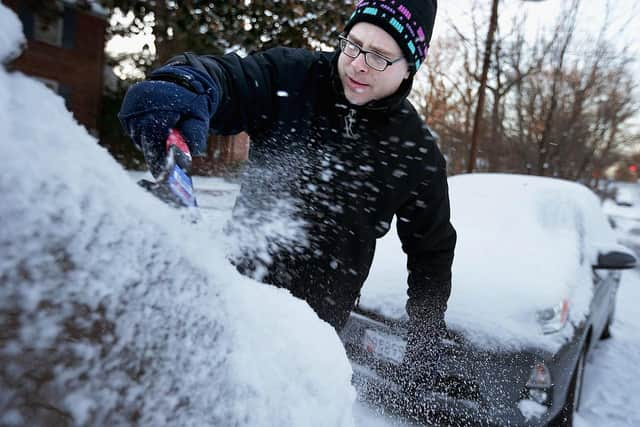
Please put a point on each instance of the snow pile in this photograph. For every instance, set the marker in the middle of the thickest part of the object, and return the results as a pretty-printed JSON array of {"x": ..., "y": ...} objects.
[
  {"x": 531, "y": 409},
  {"x": 11, "y": 37},
  {"x": 610, "y": 395},
  {"x": 625, "y": 210},
  {"x": 524, "y": 244},
  {"x": 113, "y": 311}
]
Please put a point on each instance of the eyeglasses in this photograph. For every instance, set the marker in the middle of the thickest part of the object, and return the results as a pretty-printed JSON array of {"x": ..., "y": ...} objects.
[{"x": 372, "y": 59}]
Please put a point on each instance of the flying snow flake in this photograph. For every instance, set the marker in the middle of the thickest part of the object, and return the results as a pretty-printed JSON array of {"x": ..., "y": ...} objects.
[{"x": 326, "y": 175}]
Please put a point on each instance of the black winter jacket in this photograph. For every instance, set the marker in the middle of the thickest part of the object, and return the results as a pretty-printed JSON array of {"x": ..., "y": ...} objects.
[{"x": 344, "y": 172}]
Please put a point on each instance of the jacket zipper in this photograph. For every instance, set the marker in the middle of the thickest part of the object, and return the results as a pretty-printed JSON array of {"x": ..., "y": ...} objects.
[{"x": 349, "y": 121}]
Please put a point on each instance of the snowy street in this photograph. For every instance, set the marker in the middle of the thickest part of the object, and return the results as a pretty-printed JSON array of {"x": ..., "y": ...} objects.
[{"x": 612, "y": 383}]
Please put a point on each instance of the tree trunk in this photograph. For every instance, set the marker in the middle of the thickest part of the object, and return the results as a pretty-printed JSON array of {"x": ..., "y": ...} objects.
[{"x": 493, "y": 25}]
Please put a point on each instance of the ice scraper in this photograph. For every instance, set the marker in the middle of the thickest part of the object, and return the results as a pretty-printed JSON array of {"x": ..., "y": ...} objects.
[{"x": 174, "y": 185}]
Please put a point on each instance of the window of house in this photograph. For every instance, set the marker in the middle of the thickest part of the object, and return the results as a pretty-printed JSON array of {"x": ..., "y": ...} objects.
[
  {"x": 48, "y": 30},
  {"x": 54, "y": 25}
]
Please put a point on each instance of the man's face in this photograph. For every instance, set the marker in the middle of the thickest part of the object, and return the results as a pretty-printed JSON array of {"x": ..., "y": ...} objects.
[{"x": 362, "y": 83}]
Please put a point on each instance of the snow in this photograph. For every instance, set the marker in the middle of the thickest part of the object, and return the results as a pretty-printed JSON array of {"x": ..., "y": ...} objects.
[
  {"x": 120, "y": 311},
  {"x": 183, "y": 339},
  {"x": 531, "y": 410},
  {"x": 628, "y": 211},
  {"x": 624, "y": 214},
  {"x": 611, "y": 389},
  {"x": 627, "y": 201},
  {"x": 524, "y": 244},
  {"x": 11, "y": 37}
]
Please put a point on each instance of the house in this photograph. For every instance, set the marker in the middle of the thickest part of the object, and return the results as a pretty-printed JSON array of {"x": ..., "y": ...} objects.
[
  {"x": 65, "y": 50},
  {"x": 224, "y": 155}
]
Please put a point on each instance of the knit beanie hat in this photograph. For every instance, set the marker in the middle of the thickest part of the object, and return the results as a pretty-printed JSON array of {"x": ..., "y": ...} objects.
[{"x": 409, "y": 22}]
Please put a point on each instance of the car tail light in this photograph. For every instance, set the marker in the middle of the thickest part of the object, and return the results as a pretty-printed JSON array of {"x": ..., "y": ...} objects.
[
  {"x": 553, "y": 319},
  {"x": 539, "y": 386},
  {"x": 540, "y": 376}
]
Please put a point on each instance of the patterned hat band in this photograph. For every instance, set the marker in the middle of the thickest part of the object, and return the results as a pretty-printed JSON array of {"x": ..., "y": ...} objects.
[{"x": 410, "y": 23}]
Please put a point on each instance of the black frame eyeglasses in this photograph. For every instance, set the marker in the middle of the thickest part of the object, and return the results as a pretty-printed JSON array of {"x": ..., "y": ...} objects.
[{"x": 373, "y": 59}]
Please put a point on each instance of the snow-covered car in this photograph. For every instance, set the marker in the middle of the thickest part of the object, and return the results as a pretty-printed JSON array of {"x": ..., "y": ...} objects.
[
  {"x": 624, "y": 214},
  {"x": 535, "y": 278}
]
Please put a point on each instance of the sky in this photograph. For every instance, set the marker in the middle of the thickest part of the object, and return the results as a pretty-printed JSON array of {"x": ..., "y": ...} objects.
[{"x": 542, "y": 13}]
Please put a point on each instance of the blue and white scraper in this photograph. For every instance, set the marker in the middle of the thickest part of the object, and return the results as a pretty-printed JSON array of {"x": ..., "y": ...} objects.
[{"x": 174, "y": 185}]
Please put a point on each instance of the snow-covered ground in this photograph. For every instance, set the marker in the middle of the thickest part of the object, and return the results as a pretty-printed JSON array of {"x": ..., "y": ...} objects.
[{"x": 612, "y": 380}]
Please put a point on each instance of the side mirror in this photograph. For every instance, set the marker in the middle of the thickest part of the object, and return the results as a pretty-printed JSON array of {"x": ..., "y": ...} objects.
[{"x": 615, "y": 260}]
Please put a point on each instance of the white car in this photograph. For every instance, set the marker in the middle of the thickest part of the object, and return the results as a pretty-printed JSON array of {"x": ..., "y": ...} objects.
[
  {"x": 624, "y": 214},
  {"x": 535, "y": 278}
]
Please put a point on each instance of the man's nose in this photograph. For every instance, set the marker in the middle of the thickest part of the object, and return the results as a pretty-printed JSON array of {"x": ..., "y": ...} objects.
[{"x": 359, "y": 63}]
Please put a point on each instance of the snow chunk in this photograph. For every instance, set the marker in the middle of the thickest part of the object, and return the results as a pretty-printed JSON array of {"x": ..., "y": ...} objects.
[
  {"x": 11, "y": 37},
  {"x": 531, "y": 410}
]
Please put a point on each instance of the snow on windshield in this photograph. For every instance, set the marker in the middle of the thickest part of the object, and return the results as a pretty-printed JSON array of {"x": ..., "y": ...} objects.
[
  {"x": 524, "y": 244},
  {"x": 116, "y": 311}
]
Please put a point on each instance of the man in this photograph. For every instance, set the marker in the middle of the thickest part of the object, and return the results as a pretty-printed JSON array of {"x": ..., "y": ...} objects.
[{"x": 333, "y": 134}]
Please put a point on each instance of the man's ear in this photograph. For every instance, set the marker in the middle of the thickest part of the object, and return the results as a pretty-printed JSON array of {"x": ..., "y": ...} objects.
[{"x": 409, "y": 71}]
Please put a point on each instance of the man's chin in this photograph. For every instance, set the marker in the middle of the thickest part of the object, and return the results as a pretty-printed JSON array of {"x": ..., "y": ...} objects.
[{"x": 356, "y": 98}]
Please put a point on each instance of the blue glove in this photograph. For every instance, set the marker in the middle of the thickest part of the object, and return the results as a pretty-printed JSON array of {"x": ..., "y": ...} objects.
[{"x": 176, "y": 97}]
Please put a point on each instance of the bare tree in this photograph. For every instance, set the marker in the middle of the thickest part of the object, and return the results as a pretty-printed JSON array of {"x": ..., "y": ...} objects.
[{"x": 559, "y": 105}]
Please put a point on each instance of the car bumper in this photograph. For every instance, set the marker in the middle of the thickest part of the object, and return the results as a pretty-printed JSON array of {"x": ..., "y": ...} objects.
[
  {"x": 476, "y": 388},
  {"x": 429, "y": 407}
]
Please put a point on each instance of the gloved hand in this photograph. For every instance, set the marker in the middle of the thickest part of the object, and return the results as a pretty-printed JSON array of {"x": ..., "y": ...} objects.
[
  {"x": 421, "y": 363},
  {"x": 152, "y": 108}
]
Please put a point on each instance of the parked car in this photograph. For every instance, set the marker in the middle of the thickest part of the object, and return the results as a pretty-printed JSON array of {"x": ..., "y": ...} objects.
[
  {"x": 535, "y": 278},
  {"x": 624, "y": 214}
]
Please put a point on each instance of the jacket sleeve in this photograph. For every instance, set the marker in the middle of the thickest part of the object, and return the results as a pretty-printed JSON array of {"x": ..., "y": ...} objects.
[
  {"x": 429, "y": 240},
  {"x": 253, "y": 92}
]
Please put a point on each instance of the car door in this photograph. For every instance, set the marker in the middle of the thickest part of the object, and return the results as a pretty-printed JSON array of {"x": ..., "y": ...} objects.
[{"x": 603, "y": 289}]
